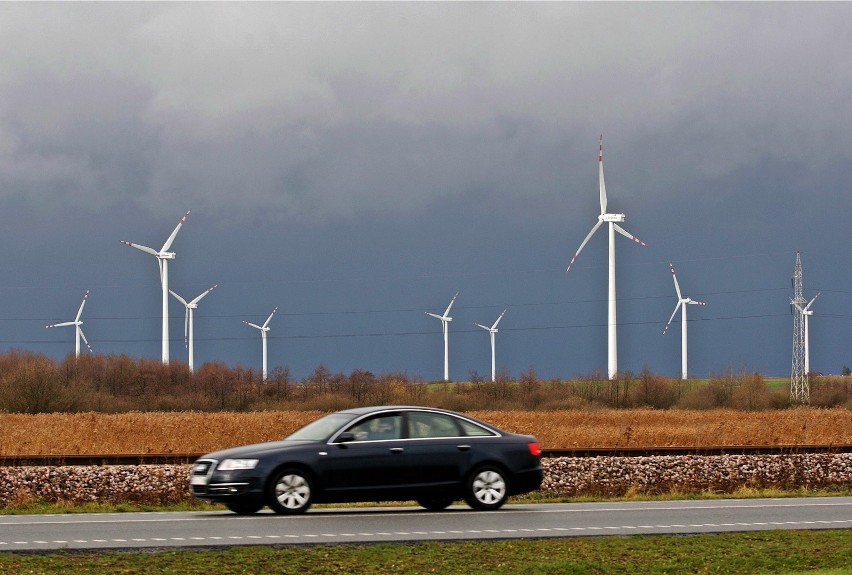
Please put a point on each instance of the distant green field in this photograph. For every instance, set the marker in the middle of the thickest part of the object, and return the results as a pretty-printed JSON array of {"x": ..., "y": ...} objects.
[{"x": 777, "y": 383}]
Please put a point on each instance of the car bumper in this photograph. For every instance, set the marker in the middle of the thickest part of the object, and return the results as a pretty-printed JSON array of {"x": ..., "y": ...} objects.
[
  {"x": 526, "y": 480},
  {"x": 219, "y": 490},
  {"x": 207, "y": 483}
]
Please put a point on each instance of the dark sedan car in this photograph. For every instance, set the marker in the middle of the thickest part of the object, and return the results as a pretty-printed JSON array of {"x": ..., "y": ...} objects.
[{"x": 392, "y": 453}]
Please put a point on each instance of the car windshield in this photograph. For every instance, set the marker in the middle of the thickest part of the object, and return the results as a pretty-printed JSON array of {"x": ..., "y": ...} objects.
[{"x": 322, "y": 428}]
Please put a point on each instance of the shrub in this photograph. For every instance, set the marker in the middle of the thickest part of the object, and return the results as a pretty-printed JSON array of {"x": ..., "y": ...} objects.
[{"x": 31, "y": 383}]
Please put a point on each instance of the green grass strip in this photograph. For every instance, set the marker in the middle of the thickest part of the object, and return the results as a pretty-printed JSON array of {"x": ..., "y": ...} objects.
[{"x": 776, "y": 552}]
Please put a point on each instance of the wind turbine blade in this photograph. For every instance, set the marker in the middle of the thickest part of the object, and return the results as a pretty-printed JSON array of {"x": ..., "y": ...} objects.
[
  {"x": 498, "y": 320},
  {"x": 585, "y": 241},
  {"x": 622, "y": 231},
  {"x": 82, "y": 335},
  {"x": 677, "y": 307},
  {"x": 601, "y": 178},
  {"x": 807, "y": 307},
  {"x": 266, "y": 323},
  {"x": 160, "y": 264},
  {"x": 436, "y": 316},
  {"x": 798, "y": 307},
  {"x": 185, "y": 327},
  {"x": 677, "y": 286},
  {"x": 254, "y": 325},
  {"x": 169, "y": 241},
  {"x": 177, "y": 297},
  {"x": 63, "y": 324},
  {"x": 482, "y": 326},
  {"x": 86, "y": 295},
  {"x": 198, "y": 299},
  {"x": 452, "y": 301},
  {"x": 145, "y": 249}
]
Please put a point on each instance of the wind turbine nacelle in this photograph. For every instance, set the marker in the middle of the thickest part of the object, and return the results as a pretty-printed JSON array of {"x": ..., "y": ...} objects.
[
  {"x": 166, "y": 255},
  {"x": 612, "y": 217}
]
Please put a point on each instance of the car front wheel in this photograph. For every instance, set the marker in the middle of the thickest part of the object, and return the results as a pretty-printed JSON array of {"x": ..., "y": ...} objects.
[
  {"x": 290, "y": 492},
  {"x": 435, "y": 503},
  {"x": 244, "y": 507},
  {"x": 486, "y": 488}
]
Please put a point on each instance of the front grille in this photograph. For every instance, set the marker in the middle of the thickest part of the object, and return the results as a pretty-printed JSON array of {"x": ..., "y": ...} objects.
[
  {"x": 202, "y": 466},
  {"x": 200, "y": 475}
]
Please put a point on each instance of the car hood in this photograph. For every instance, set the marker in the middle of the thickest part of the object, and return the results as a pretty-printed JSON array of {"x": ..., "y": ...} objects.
[{"x": 256, "y": 450}]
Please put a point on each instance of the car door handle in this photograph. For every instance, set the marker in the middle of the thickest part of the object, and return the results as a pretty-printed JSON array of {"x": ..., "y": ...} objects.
[
  {"x": 397, "y": 449},
  {"x": 463, "y": 447}
]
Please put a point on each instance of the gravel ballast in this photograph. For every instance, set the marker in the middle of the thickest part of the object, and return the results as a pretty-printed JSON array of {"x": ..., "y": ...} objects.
[{"x": 564, "y": 476}]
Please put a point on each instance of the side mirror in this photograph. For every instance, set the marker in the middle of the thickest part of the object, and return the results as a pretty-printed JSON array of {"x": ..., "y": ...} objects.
[{"x": 345, "y": 437}]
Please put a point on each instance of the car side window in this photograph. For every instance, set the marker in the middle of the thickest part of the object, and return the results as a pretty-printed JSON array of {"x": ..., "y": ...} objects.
[
  {"x": 378, "y": 428},
  {"x": 473, "y": 430},
  {"x": 423, "y": 425}
]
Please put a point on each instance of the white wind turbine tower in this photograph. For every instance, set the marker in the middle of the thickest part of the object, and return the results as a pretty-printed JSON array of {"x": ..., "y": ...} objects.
[
  {"x": 682, "y": 302},
  {"x": 613, "y": 220},
  {"x": 187, "y": 320},
  {"x": 445, "y": 319},
  {"x": 76, "y": 323},
  {"x": 493, "y": 332},
  {"x": 806, "y": 312},
  {"x": 163, "y": 256},
  {"x": 263, "y": 329}
]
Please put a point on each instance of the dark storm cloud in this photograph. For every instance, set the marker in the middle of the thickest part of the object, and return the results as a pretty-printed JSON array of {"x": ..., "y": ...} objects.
[
  {"x": 260, "y": 94},
  {"x": 451, "y": 142}
]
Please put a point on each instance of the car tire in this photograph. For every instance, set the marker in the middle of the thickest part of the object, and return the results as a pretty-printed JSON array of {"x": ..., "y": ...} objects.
[
  {"x": 435, "y": 503},
  {"x": 244, "y": 507},
  {"x": 290, "y": 492},
  {"x": 486, "y": 488}
]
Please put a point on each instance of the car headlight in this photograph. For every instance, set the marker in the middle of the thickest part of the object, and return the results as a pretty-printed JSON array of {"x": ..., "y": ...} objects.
[{"x": 235, "y": 464}]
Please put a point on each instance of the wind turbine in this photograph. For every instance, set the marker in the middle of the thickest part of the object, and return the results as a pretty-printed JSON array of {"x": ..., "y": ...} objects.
[
  {"x": 187, "y": 320},
  {"x": 163, "y": 256},
  {"x": 263, "y": 329},
  {"x": 806, "y": 313},
  {"x": 445, "y": 320},
  {"x": 613, "y": 220},
  {"x": 682, "y": 302},
  {"x": 493, "y": 332},
  {"x": 76, "y": 323}
]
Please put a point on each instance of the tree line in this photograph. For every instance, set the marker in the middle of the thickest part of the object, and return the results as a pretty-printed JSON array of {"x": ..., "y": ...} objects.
[{"x": 34, "y": 383}]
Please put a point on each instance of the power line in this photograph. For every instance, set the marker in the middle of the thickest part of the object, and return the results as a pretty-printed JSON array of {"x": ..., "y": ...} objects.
[
  {"x": 419, "y": 309},
  {"x": 400, "y": 333}
]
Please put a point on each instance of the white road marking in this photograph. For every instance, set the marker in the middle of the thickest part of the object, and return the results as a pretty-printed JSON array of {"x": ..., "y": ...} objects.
[{"x": 837, "y": 522}]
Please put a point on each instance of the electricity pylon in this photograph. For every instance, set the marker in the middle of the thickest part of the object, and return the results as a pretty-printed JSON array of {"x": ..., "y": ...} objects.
[{"x": 799, "y": 388}]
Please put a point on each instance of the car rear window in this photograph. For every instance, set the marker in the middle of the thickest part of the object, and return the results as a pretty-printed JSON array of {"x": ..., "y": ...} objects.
[
  {"x": 473, "y": 429},
  {"x": 423, "y": 425}
]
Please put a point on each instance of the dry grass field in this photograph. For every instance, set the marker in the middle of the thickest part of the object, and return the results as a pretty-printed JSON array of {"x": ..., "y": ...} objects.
[{"x": 197, "y": 432}]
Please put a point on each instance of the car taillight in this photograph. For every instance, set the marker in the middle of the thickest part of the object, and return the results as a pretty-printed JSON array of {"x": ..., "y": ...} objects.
[{"x": 534, "y": 448}]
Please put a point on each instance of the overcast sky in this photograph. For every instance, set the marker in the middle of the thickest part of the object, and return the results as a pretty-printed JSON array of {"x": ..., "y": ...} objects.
[{"x": 357, "y": 164}]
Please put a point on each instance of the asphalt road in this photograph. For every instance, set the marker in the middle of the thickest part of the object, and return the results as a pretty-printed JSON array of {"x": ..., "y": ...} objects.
[{"x": 368, "y": 525}]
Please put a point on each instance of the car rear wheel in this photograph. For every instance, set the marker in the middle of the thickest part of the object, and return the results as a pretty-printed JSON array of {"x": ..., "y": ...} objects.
[
  {"x": 244, "y": 507},
  {"x": 435, "y": 503},
  {"x": 290, "y": 492},
  {"x": 486, "y": 488}
]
